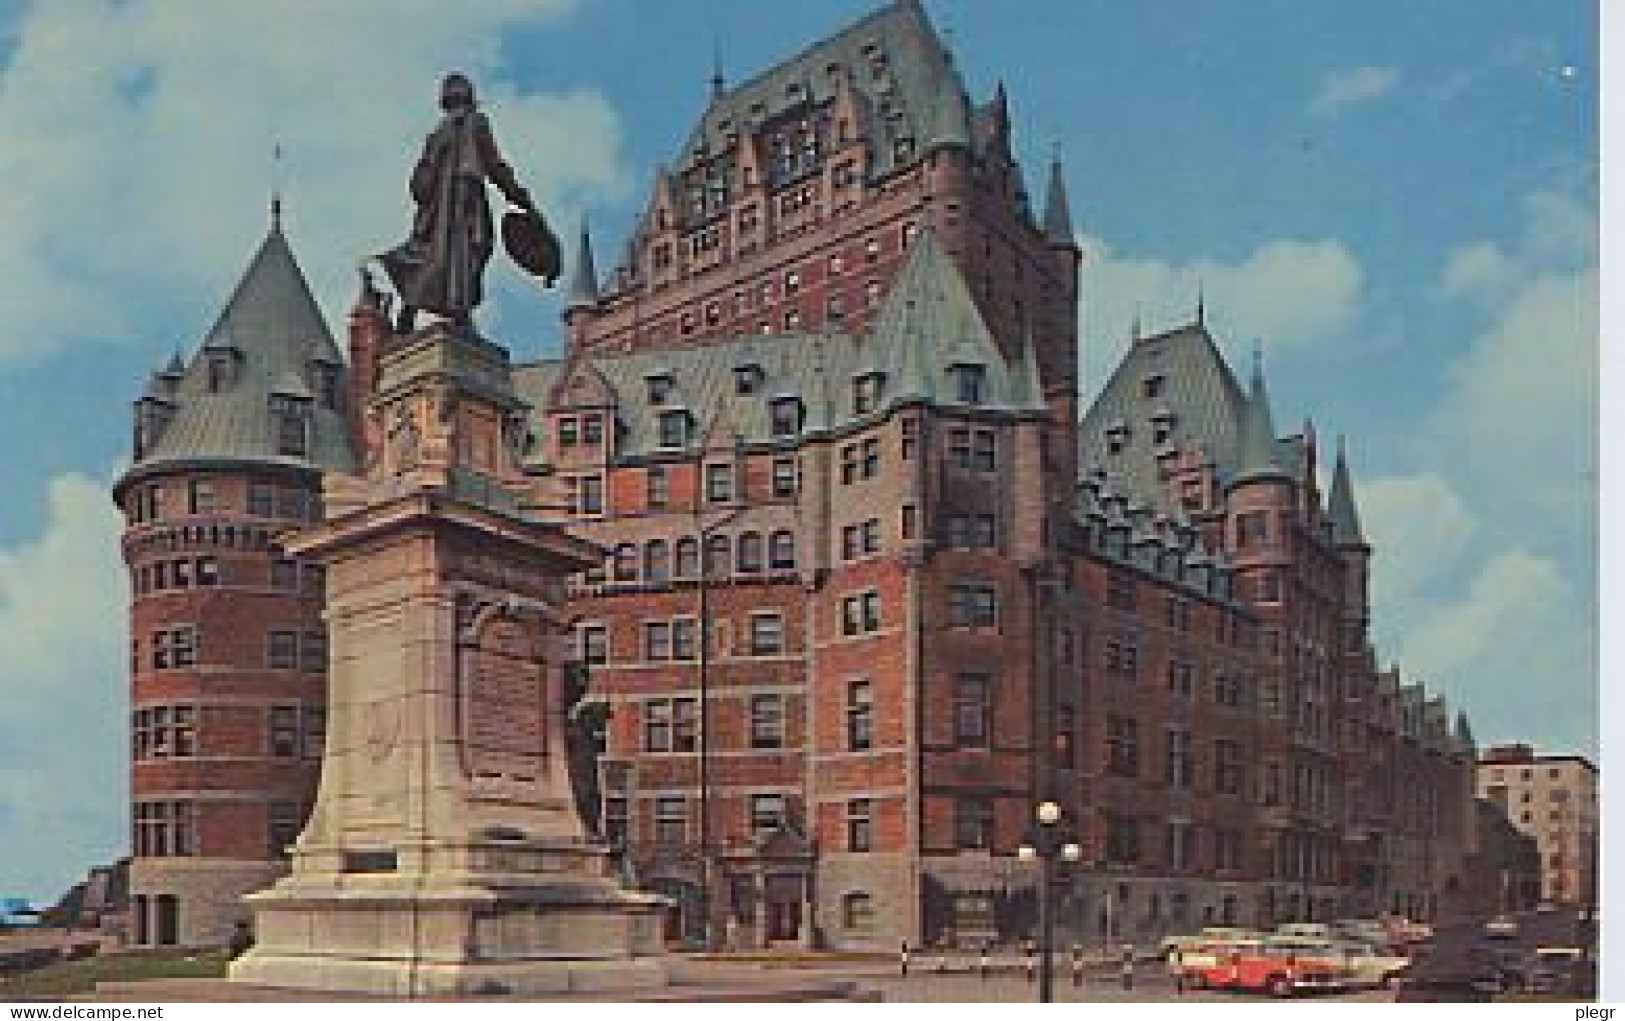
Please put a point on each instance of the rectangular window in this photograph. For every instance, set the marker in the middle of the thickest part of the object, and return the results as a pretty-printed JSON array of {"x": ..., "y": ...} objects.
[
  {"x": 283, "y": 721},
  {"x": 719, "y": 483},
  {"x": 984, "y": 450},
  {"x": 860, "y": 716},
  {"x": 970, "y": 383},
  {"x": 657, "y": 725},
  {"x": 657, "y": 640},
  {"x": 285, "y": 574},
  {"x": 593, "y": 644},
  {"x": 671, "y": 821},
  {"x": 973, "y": 824},
  {"x": 1122, "y": 839},
  {"x": 314, "y": 736},
  {"x": 657, "y": 487},
  {"x": 592, "y": 430},
  {"x": 784, "y": 476},
  {"x": 1228, "y": 773},
  {"x": 766, "y": 813},
  {"x": 200, "y": 497},
  {"x": 282, "y": 650},
  {"x": 973, "y": 708},
  {"x": 784, "y": 416},
  {"x": 767, "y": 721},
  {"x": 973, "y": 606},
  {"x": 313, "y": 652},
  {"x": 261, "y": 500},
  {"x": 1120, "y": 591},
  {"x": 673, "y": 428},
  {"x": 589, "y": 495},
  {"x": 1181, "y": 771},
  {"x": 849, "y": 464},
  {"x": 766, "y": 634},
  {"x": 616, "y": 822},
  {"x": 860, "y": 824},
  {"x": 860, "y": 614},
  {"x": 1252, "y": 529},
  {"x": 1122, "y": 746},
  {"x": 685, "y": 724},
  {"x": 871, "y": 458},
  {"x": 683, "y": 632},
  {"x": 282, "y": 826},
  {"x": 568, "y": 435},
  {"x": 1181, "y": 846},
  {"x": 910, "y": 439}
]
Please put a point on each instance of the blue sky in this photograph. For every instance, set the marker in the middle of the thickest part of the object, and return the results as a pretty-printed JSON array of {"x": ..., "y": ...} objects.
[{"x": 1399, "y": 199}]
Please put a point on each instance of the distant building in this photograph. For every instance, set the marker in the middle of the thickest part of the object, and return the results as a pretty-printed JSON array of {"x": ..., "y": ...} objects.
[{"x": 1552, "y": 798}]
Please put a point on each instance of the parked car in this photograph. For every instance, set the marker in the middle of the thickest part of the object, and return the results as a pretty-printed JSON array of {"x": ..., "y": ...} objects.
[
  {"x": 1264, "y": 970},
  {"x": 1366, "y": 965},
  {"x": 1304, "y": 930}
]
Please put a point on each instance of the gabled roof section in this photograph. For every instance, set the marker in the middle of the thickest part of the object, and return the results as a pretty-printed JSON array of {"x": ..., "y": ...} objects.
[
  {"x": 1183, "y": 372},
  {"x": 275, "y": 330},
  {"x": 1340, "y": 508},
  {"x": 929, "y": 323},
  {"x": 898, "y": 66}
]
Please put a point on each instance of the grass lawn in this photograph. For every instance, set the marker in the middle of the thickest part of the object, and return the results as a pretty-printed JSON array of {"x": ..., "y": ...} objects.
[{"x": 69, "y": 978}]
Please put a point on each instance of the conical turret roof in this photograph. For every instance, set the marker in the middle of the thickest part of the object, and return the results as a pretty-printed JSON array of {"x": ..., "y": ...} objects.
[
  {"x": 1057, "y": 211},
  {"x": 584, "y": 283},
  {"x": 1259, "y": 454},
  {"x": 1344, "y": 517},
  {"x": 276, "y": 340}
]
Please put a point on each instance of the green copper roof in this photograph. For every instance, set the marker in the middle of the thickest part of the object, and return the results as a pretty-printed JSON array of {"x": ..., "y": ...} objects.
[
  {"x": 274, "y": 337},
  {"x": 1340, "y": 505}
]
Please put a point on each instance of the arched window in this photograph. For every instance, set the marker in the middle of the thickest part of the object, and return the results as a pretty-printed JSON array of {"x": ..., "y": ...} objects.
[
  {"x": 718, "y": 549},
  {"x": 626, "y": 562},
  {"x": 657, "y": 561},
  {"x": 781, "y": 551},
  {"x": 750, "y": 552},
  {"x": 688, "y": 557}
]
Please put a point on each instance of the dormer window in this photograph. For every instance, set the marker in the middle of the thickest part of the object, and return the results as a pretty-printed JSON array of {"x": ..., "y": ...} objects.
[
  {"x": 592, "y": 430},
  {"x": 747, "y": 379},
  {"x": 326, "y": 377},
  {"x": 1151, "y": 387},
  {"x": 1116, "y": 437},
  {"x": 970, "y": 383},
  {"x": 674, "y": 428},
  {"x": 660, "y": 386},
  {"x": 785, "y": 415},
  {"x": 867, "y": 390},
  {"x": 290, "y": 418},
  {"x": 221, "y": 363},
  {"x": 1162, "y": 426}
]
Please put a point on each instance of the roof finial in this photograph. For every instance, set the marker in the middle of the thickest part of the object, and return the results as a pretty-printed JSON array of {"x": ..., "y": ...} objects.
[
  {"x": 276, "y": 186},
  {"x": 718, "y": 83},
  {"x": 1201, "y": 304},
  {"x": 1134, "y": 330}
]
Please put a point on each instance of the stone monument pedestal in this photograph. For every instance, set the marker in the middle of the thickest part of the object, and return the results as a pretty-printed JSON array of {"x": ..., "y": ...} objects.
[{"x": 445, "y": 854}]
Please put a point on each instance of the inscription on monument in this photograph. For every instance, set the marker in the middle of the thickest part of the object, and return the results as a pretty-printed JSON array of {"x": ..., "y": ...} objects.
[{"x": 506, "y": 729}]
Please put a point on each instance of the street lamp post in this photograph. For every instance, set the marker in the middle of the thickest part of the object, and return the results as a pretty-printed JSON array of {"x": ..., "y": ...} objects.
[{"x": 1047, "y": 846}]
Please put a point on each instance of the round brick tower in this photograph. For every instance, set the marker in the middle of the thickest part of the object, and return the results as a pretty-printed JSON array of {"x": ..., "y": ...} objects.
[{"x": 228, "y": 651}]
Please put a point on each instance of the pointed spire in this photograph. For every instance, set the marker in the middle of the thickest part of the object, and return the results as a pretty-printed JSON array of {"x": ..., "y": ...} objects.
[
  {"x": 176, "y": 368},
  {"x": 719, "y": 84},
  {"x": 1340, "y": 509},
  {"x": 276, "y": 188},
  {"x": 1201, "y": 306},
  {"x": 584, "y": 285},
  {"x": 1259, "y": 459},
  {"x": 1464, "y": 732},
  {"x": 1057, "y": 212}
]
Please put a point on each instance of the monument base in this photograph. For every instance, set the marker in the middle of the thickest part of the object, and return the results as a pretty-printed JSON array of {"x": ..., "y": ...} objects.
[{"x": 445, "y": 933}]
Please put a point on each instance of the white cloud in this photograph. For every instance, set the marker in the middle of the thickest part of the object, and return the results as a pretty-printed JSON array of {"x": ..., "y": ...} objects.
[
  {"x": 1287, "y": 291},
  {"x": 136, "y": 141},
  {"x": 1516, "y": 646},
  {"x": 1419, "y": 528},
  {"x": 1340, "y": 89},
  {"x": 63, "y": 773}
]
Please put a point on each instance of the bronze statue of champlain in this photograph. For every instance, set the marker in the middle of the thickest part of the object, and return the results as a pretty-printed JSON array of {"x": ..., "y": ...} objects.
[{"x": 439, "y": 267}]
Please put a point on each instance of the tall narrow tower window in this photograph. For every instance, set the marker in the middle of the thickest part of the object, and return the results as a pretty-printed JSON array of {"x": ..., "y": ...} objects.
[{"x": 290, "y": 416}]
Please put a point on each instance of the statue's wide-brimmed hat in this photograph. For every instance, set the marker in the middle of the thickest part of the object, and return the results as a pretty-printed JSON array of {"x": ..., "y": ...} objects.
[{"x": 531, "y": 244}]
